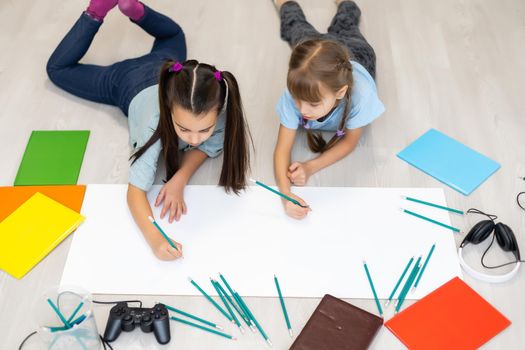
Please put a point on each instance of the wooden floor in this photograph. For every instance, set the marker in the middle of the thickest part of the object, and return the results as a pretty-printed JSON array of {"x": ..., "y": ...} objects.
[{"x": 455, "y": 65}]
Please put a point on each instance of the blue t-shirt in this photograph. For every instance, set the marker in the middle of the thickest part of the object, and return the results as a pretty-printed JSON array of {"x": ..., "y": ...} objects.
[
  {"x": 143, "y": 118},
  {"x": 366, "y": 106}
]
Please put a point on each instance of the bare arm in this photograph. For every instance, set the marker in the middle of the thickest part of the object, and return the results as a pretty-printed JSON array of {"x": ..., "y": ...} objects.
[
  {"x": 140, "y": 208},
  {"x": 281, "y": 160},
  {"x": 341, "y": 149},
  {"x": 172, "y": 193}
]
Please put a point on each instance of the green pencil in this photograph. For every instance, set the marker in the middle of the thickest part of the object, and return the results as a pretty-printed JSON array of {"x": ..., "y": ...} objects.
[
  {"x": 283, "y": 306},
  {"x": 434, "y": 205},
  {"x": 373, "y": 289},
  {"x": 171, "y": 308},
  {"x": 162, "y": 233},
  {"x": 424, "y": 266},
  {"x": 75, "y": 312},
  {"x": 408, "y": 284},
  {"x": 238, "y": 308},
  {"x": 245, "y": 307},
  {"x": 211, "y": 330},
  {"x": 431, "y": 220},
  {"x": 294, "y": 201},
  {"x": 217, "y": 306},
  {"x": 59, "y": 314},
  {"x": 232, "y": 314},
  {"x": 399, "y": 281}
]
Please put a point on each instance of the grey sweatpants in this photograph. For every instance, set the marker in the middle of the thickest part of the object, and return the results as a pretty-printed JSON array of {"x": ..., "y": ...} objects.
[{"x": 344, "y": 29}]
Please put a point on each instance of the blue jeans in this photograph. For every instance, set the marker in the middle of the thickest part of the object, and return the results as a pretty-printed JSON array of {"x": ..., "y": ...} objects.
[{"x": 118, "y": 83}]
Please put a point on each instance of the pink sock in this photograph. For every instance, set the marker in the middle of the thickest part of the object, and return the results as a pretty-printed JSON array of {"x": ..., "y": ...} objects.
[
  {"x": 131, "y": 8},
  {"x": 98, "y": 9}
]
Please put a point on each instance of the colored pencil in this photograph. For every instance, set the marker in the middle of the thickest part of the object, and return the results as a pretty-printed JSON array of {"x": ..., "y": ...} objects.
[
  {"x": 431, "y": 220},
  {"x": 217, "y": 306},
  {"x": 234, "y": 303},
  {"x": 59, "y": 314},
  {"x": 211, "y": 330},
  {"x": 373, "y": 288},
  {"x": 162, "y": 233},
  {"x": 294, "y": 201},
  {"x": 75, "y": 311},
  {"x": 408, "y": 284},
  {"x": 225, "y": 302},
  {"x": 283, "y": 307},
  {"x": 171, "y": 308},
  {"x": 250, "y": 314},
  {"x": 424, "y": 266},
  {"x": 434, "y": 205},
  {"x": 399, "y": 281}
]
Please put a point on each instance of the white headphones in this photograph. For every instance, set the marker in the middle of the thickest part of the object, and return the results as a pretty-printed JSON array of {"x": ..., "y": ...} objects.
[
  {"x": 504, "y": 237},
  {"x": 484, "y": 276}
]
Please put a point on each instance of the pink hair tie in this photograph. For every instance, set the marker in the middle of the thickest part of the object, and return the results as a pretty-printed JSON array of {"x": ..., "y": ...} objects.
[
  {"x": 339, "y": 133},
  {"x": 218, "y": 75},
  {"x": 176, "y": 67}
]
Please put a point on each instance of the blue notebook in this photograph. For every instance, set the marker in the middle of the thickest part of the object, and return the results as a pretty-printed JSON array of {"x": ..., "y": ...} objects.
[{"x": 449, "y": 161}]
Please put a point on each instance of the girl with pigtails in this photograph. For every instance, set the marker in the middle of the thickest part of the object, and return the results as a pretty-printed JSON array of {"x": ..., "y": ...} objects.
[
  {"x": 181, "y": 109},
  {"x": 330, "y": 87}
]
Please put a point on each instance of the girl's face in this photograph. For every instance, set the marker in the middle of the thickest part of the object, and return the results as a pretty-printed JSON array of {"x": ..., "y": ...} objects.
[
  {"x": 316, "y": 110},
  {"x": 193, "y": 129}
]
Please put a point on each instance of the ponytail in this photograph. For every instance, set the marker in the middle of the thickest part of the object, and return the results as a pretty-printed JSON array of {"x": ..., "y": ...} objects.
[{"x": 236, "y": 152}]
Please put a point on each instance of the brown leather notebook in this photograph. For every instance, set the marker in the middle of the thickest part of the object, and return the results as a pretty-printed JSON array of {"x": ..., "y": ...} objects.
[{"x": 338, "y": 325}]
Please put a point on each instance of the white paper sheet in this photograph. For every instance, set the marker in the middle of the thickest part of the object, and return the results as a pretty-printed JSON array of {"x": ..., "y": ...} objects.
[{"x": 249, "y": 239}]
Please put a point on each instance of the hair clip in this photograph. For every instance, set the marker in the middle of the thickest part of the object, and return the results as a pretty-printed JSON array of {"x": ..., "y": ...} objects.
[
  {"x": 176, "y": 67},
  {"x": 339, "y": 133},
  {"x": 218, "y": 75}
]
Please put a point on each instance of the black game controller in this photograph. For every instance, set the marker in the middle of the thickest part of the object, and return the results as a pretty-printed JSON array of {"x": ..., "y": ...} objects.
[{"x": 124, "y": 318}]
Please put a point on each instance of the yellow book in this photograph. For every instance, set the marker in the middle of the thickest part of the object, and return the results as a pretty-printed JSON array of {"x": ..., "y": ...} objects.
[{"x": 32, "y": 231}]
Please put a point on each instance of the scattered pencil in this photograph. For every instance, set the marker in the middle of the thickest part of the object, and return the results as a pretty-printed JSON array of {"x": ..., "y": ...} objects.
[
  {"x": 408, "y": 284},
  {"x": 171, "y": 308},
  {"x": 424, "y": 266},
  {"x": 434, "y": 205},
  {"x": 430, "y": 220},
  {"x": 294, "y": 201},
  {"x": 283, "y": 306},
  {"x": 373, "y": 288},
  {"x": 225, "y": 302},
  {"x": 217, "y": 306},
  {"x": 399, "y": 281},
  {"x": 162, "y": 233},
  {"x": 250, "y": 314},
  {"x": 211, "y": 330}
]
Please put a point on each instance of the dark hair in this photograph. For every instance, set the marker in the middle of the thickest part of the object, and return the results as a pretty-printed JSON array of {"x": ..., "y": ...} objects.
[
  {"x": 196, "y": 89},
  {"x": 315, "y": 62}
]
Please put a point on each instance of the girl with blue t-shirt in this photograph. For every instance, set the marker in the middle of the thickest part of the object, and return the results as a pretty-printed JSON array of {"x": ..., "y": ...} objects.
[
  {"x": 181, "y": 111},
  {"x": 330, "y": 87}
]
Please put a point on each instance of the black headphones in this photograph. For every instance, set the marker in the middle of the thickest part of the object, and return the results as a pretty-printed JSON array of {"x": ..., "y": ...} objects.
[{"x": 506, "y": 239}]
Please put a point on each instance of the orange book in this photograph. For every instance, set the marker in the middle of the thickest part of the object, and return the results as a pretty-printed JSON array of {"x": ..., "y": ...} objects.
[
  {"x": 452, "y": 317},
  {"x": 13, "y": 197}
]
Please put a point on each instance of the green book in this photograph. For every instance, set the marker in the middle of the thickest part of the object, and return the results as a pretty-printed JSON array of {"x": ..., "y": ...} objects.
[{"x": 52, "y": 158}]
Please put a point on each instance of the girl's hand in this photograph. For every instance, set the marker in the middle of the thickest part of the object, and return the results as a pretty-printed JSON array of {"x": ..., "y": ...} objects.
[
  {"x": 293, "y": 210},
  {"x": 172, "y": 194},
  {"x": 164, "y": 251},
  {"x": 298, "y": 173}
]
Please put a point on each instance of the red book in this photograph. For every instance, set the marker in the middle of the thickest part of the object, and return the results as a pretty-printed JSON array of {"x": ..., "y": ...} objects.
[{"x": 452, "y": 317}]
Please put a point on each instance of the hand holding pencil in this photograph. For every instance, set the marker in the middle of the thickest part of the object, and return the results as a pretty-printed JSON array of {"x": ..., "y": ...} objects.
[{"x": 293, "y": 210}]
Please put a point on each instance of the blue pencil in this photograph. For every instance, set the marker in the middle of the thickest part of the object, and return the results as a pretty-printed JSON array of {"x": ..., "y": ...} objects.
[
  {"x": 59, "y": 314},
  {"x": 373, "y": 289},
  {"x": 424, "y": 266}
]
